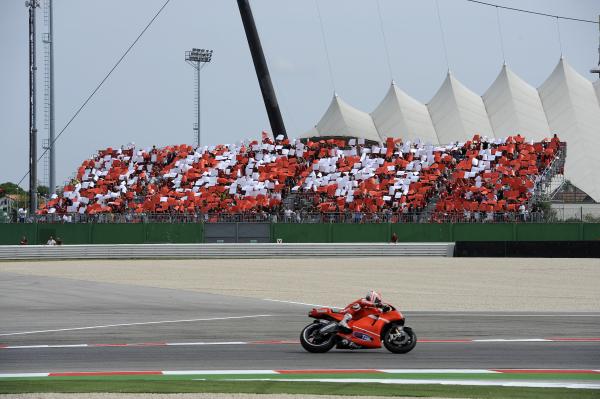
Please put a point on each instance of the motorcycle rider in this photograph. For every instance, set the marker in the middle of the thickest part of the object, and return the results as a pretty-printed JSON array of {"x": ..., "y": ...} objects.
[{"x": 360, "y": 308}]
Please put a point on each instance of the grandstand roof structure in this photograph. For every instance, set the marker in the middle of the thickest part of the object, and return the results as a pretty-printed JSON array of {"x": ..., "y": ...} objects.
[
  {"x": 572, "y": 110},
  {"x": 515, "y": 106},
  {"x": 457, "y": 112},
  {"x": 342, "y": 119},
  {"x": 567, "y": 104},
  {"x": 400, "y": 115}
]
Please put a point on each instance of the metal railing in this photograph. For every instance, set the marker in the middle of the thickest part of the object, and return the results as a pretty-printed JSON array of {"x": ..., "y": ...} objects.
[{"x": 548, "y": 216}]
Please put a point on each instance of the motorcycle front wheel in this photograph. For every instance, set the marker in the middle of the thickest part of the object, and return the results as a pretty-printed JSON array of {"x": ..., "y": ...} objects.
[
  {"x": 398, "y": 339},
  {"x": 314, "y": 342}
]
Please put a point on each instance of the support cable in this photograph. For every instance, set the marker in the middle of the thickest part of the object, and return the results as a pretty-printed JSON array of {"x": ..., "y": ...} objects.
[
  {"x": 385, "y": 44},
  {"x": 100, "y": 84},
  {"x": 501, "y": 36},
  {"x": 533, "y": 12},
  {"x": 437, "y": 6},
  {"x": 325, "y": 46},
  {"x": 560, "y": 46}
]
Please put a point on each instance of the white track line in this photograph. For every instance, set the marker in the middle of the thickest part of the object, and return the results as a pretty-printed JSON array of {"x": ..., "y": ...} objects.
[
  {"x": 475, "y": 314},
  {"x": 24, "y": 375},
  {"x": 524, "y": 384},
  {"x": 219, "y": 372},
  {"x": 209, "y": 343},
  {"x": 205, "y": 343},
  {"x": 301, "y": 303},
  {"x": 135, "y": 324},
  {"x": 419, "y": 314},
  {"x": 439, "y": 371},
  {"x": 46, "y": 346},
  {"x": 513, "y": 340}
]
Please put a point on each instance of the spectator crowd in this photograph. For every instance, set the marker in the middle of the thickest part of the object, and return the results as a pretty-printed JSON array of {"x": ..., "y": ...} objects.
[{"x": 467, "y": 180}]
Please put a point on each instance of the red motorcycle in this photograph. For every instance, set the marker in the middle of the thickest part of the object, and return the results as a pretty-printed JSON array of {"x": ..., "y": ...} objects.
[{"x": 367, "y": 333}]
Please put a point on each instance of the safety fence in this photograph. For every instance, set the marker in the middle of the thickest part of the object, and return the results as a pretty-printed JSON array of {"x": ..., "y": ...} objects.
[
  {"x": 550, "y": 216},
  {"x": 143, "y": 233}
]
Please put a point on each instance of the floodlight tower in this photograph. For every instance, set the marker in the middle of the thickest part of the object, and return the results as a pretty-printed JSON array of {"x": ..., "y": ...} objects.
[
  {"x": 32, "y": 5},
  {"x": 197, "y": 58}
]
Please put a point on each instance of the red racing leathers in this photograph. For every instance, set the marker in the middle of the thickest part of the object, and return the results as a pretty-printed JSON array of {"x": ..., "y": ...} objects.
[{"x": 359, "y": 309}]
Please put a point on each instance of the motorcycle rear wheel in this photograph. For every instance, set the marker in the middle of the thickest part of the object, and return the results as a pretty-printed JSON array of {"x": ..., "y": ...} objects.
[
  {"x": 398, "y": 339},
  {"x": 314, "y": 342}
]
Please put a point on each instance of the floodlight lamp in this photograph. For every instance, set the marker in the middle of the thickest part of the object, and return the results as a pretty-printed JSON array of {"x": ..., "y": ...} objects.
[{"x": 198, "y": 55}]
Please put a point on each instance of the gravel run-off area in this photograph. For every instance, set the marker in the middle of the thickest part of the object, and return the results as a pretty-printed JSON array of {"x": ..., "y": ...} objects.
[{"x": 410, "y": 283}]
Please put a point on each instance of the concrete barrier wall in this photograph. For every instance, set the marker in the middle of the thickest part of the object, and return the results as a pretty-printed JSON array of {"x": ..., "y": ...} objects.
[
  {"x": 431, "y": 232},
  {"x": 220, "y": 251},
  {"x": 528, "y": 249},
  {"x": 10, "y": 234}
]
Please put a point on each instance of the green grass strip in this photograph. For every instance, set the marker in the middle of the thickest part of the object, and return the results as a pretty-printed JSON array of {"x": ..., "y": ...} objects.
[
  {"x": 555, "y": 377},
  {"x": 424, "y": 376},
  {"x": 78, "y": 385}
]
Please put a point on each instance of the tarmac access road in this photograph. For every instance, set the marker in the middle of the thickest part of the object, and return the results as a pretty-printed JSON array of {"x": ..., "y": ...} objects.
[{"x": 96, "y": 326}]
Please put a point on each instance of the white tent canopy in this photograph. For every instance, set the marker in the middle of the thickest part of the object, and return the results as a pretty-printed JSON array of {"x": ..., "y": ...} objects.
[
  {"x": 567, "y": 104},
  {"x": 458, "y": 113},
  {"x": 400, "y": 115},
  {"x": 311, "y": 133},
  {"x": 515, "y": 107},
  {"x": 573, "y": 113},
  {"x": 341, "y": 119}
]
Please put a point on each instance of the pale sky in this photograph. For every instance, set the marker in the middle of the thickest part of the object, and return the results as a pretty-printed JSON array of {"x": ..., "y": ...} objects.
[{"x": 149, "y": 98}]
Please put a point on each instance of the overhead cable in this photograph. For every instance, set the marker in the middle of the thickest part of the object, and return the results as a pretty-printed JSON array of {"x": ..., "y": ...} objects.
[
  {"x": 560, "y": 46},
  {"x": 385, "y": 45},
  {"x": 325, "y": 45},
  {"x": 500, "y": 35},
  {"x": 100, "y": 84},
  {"x": 437, "y": 6},
  {"x": 532, "y": 12}
]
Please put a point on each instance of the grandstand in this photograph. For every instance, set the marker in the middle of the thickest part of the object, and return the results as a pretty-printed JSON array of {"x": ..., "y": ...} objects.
[
  {"x": 566, "y": 103},
  {"x": 350, "y": 180}
]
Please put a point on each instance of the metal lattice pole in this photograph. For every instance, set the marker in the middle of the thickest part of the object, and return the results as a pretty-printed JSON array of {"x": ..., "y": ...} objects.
[
  {"x": 32, "y": 5},
  {"x": 197, "y": 58},
  {"x": 52, "y": 177},
  {"x": 198, "y": 100}
]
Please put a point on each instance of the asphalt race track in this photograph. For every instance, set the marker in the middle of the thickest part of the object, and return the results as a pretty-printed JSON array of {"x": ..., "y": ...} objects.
[{"x": 124, "y": 327}]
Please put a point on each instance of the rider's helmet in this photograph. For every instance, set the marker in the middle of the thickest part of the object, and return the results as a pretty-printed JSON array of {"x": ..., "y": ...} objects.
[{"x": 373, "y": 296}]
